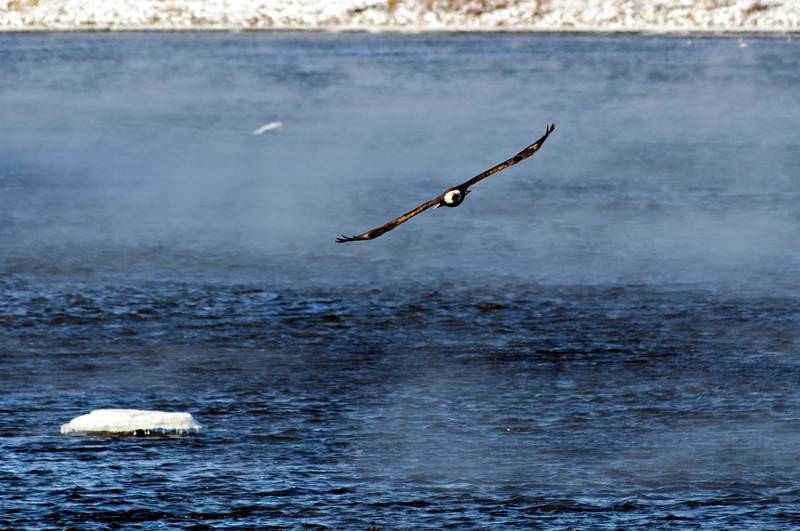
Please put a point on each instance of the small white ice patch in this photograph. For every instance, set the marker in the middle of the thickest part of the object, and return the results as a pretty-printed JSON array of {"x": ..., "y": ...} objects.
[
  {"x": 131, "y": 421},
  {"x": 268, "y": 127}
]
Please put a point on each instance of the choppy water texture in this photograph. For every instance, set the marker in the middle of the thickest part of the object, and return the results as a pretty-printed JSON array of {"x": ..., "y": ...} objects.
[{"x": 606, "y": 335}]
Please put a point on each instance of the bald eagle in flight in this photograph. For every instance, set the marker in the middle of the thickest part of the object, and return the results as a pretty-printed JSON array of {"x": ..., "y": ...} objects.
[{"x": 452, "y": 197}]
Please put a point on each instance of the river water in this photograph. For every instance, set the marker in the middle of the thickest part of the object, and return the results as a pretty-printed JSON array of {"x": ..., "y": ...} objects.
[{"x": 606, "y": 335}]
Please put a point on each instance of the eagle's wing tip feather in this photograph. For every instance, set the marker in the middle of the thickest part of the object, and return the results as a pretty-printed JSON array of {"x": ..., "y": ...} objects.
[{"x": 342, "y": 239}]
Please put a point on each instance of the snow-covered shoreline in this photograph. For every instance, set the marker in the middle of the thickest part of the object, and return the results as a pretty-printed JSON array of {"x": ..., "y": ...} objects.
[{"x": 407, "y": 16}]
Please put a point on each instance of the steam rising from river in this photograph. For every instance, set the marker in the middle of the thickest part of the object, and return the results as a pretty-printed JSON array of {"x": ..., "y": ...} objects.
[{"x": 679, "y": 170}]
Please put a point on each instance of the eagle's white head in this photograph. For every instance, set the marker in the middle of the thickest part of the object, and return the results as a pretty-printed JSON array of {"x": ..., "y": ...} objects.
[{"x": 453, "y": 198}]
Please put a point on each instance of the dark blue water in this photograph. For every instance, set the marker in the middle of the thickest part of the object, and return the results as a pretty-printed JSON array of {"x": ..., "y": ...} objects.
[{"x": 604, "y": 336}]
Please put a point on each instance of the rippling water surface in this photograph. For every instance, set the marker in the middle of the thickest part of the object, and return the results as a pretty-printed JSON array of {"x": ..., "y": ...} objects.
[{"x": 606, "y": 335}]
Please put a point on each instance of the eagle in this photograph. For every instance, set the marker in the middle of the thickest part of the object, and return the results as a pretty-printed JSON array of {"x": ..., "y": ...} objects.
[{"x": 452, "y": 197}]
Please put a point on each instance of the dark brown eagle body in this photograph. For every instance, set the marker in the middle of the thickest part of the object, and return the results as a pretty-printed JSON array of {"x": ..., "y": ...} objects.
[{"x": 452, "y": 197}]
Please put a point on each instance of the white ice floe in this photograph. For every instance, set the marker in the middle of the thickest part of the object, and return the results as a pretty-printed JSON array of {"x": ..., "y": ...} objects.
[
  {"x": 131, "y": 421},
  {"x": 267, "y": 127},
  {"x": 404, "y": 15}
]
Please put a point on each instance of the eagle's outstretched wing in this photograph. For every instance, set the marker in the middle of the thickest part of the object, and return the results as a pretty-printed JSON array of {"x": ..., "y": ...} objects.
[
  {"x": 522, "y": 155},
  {"x": 374, "y": 233}
]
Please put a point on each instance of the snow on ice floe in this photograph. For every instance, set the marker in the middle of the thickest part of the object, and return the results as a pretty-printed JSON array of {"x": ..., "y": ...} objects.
[
  {"x": 131, "y": 422},
  {"x": 404, "y": 15}
]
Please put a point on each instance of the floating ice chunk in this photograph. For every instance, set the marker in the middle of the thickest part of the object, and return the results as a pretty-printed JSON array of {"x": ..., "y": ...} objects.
[
  {"x": 267, "y": 127},
  {"x": 131, "y": 422}
]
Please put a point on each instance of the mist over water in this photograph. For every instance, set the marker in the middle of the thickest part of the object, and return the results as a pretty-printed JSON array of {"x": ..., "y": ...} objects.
[
  {"x": 605, "y": 335},
  {"x": 132, "y": 155}
]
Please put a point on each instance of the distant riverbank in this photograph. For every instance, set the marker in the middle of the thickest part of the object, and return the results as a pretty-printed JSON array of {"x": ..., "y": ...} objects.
[{"x": 661, "y": 16}]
